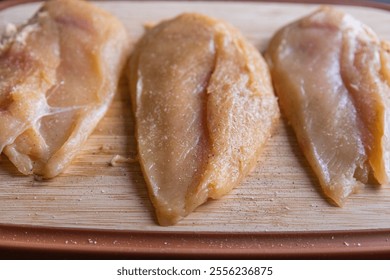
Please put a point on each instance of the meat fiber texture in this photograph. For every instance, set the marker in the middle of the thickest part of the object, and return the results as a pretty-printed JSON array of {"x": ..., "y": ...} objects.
[
  {"x": 204, "y": 109},
  {"x": 331, "y": 74},
  {"x": 58, "y": 75}
]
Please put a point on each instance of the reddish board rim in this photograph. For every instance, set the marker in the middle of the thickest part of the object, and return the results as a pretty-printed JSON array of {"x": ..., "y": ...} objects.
[
  {"x": 319, "y": 244},
  {"x": 155, "y": 244}
]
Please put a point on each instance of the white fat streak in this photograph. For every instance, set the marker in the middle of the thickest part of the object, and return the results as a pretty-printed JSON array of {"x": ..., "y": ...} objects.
[
  {"x": 59, "y": 110},
  {"x": 212, "y": 46},
  {"x": 139, "y": 87},
  {"x": 187, "y": 151}
]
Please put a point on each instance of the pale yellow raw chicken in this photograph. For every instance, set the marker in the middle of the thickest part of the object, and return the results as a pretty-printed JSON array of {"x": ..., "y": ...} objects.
[
  {"x": 58, "y": 75},
  {"x": 204, "y": 108},
  {"x": 331, "y": 74}
]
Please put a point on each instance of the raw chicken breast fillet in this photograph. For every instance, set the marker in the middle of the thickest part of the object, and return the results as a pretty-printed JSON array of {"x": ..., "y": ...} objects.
[
  {"x": 58, "y": 75},
  {"x": 331, "y": 74},
  {"x": 204, "y": 108}
]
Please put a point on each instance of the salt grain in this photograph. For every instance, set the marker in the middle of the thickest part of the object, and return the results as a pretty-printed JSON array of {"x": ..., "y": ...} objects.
[{"x": 90, "y": 241}]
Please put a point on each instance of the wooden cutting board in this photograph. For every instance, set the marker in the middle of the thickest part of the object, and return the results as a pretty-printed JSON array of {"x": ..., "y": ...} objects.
[{"x": 281, "y": 194}]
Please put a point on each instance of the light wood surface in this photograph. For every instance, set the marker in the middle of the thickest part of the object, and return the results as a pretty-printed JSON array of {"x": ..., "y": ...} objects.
[{"x": 281, "y": 194}]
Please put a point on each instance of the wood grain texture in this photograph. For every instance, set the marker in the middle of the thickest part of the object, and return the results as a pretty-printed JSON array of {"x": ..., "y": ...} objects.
[{"x": 281, "y": 194}]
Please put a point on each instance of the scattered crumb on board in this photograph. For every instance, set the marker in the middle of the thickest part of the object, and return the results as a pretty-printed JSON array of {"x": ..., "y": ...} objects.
[
  {"x": 38, "y": 178},
  {"x": 118, "y": 159},
  {"x": 149, "y": 25}
]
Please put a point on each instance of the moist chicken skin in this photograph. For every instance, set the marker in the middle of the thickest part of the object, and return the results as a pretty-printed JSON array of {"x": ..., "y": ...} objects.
[
  {"x": 58, "y": 75},
  {"x": 330, "y": 73},
  {"x": 204, "y": 108}
]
